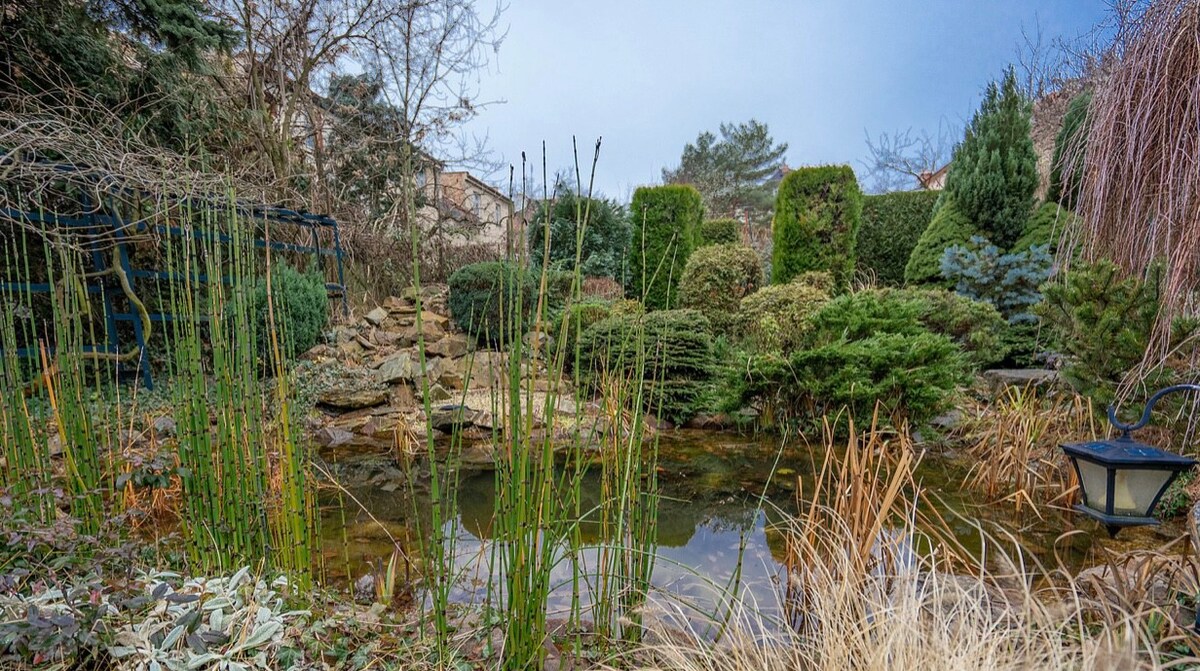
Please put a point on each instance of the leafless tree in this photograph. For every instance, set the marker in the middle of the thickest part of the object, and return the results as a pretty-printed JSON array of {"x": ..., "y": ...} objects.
[{"x": 902, "y": 160}]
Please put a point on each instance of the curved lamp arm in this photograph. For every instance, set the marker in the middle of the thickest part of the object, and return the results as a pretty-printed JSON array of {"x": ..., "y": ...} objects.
[{"x": 1145, "y": 419}]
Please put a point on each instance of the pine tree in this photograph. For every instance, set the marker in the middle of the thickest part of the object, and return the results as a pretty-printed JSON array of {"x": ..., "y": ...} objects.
[{"x": 994, "y": 172}]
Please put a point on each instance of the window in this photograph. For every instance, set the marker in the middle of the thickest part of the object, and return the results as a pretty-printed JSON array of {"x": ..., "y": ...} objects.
[
  {"x": 422, "y": 179},
  {"x": 478, "y": 205}
]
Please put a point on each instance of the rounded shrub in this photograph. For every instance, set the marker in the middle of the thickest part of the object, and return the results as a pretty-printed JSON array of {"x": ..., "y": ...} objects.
[
  {"x": 482, "y": 293},
  {"x": 718, "y": 232},
  {"x": 817, "y": 214},
  {"x": 301, "y": 311},
  {"x": 975, "y": 326},
  {"x": 949, "y": 227},
  {"x": 717, "y": 278},
  {"x": 575, "y": 319},
  {"x": 774, "y": 318},
  {"x": 669, "y": 352},
  {"x": 860, "y": 350},
  {"x": 664, "y": 222},
  {"x": 892, "y": 223}
]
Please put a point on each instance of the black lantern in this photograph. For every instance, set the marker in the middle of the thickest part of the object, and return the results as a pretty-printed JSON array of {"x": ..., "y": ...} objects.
[{"x": 1122, "y": 479}]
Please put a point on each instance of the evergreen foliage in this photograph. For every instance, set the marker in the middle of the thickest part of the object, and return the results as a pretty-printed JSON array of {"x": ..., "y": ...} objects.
[
  {"x": 860, "y": 349},
  {"x": 1010, "y": 282},
  {"x": 718, "y": 232},
  {"x": 817, "y": 215},
  {"x": 1101, "y": 321},
  {"x": 975, "y": 326},
  {"x": 664, "y": 219},
  {"x": 1045, "y": 228},
  {"x": 677, "y": 346},
  {"x": 716, "y": 279},
  {"x": 993, "y": 176},
  {"x": 301, "y": 311},
  {"x": 133, "y": 56},
  {"x": 948, "y": 228},
  {"x": 892, "y": 223},
  {"x": 484, "y": 297},
  {"x": 575, "y": 319},
  {"x": 775, "y": 318},
  {"x": 1068, "y": 145},
  {"x": 605, "y": 245},
  {"x": 730, "y": 172}
]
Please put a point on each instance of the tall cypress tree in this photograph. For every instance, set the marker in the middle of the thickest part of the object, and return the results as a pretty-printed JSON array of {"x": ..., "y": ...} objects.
[{"x": 994, "y": 173}]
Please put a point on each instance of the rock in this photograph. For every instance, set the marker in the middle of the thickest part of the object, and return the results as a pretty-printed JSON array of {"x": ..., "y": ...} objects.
[
  {"x": 366, "y": 344},
  {"x": 709, "y": 422},
  {"x": 482, "y": 455},
  {"x": 396, "y": 304},
  {"x": 346, "y": 399},
  {"x": 948, "y": 421},
  {"x": 164, "y": 427},
  {"x": 390, "y": 339},
  {"x": 376, "y": 316},
  {"x": 544, "y": 341},
  {"x": 446, "y": 417},
  {"x": 441, "y": 321},
  {"x": 452, "y": 346},
  {"x": 54, "y": 445},
  {"x": 331, "y": 436},
  {"x": 1000, "y": 378},
  {"x": 343, "y": 334},
  {"x": 438, "y": 393},
  {"x": 398, "y": 368}
]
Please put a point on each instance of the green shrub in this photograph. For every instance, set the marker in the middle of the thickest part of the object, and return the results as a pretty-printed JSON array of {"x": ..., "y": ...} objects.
[
  {"x": 976, "y": 327},
  {"x": 872, "y": 347},
  {"x": 1101, "y": 322},
  {"x": 301, "y": 306},
  {"x": 993, "y": 175},
  {"x": 910, "y": 376},
  {"x": 1045, "y": 228},
  {"x": 715, "y": 280},
  {"x": 817, "y": 214},
  {"x": 605, "y": 244},
  {"x": 670, "y": 352},
  {"x": 718, "y": 232},
  {"x": 775, "y": 318},
  {"x": 664, "y": 219},
  {"x": 1011, "y": 282},
  {"x": 481, "y": 292},
  {"x": 817, "y": 279},
  {"x": 1067, "y": 144},
  {"x": 892, "y": 223},
  {"x": 948, "y": 228},
  {"x": 575, "y": 319}
]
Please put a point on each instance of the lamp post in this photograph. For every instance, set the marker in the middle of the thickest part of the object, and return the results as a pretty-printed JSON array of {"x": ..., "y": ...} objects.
[{"x": 1121, "y": 479}]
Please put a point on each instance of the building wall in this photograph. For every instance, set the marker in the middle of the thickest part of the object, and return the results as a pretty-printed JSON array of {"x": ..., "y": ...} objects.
[{"x": 488, "y": 207}]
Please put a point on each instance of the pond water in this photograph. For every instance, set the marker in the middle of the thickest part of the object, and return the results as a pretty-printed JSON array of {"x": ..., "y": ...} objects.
[{"x": 714, "y": 523}]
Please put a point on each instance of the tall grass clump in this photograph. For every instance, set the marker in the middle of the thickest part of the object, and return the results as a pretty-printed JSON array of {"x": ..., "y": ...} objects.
[
  {"x": 1136, "y": 167},
  {"x": 246, "y": 492},
  {"x": 872, "y": 584}
]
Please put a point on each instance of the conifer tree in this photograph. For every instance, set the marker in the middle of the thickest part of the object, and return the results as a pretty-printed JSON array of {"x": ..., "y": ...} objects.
[{"x": 994, "y": 173}]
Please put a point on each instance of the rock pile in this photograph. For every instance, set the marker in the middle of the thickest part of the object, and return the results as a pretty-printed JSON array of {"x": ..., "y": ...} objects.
[{"x": 383, "y": 377}]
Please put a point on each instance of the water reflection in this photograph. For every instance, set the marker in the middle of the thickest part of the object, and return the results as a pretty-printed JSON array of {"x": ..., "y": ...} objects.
[{"x": 715, "y": 532}]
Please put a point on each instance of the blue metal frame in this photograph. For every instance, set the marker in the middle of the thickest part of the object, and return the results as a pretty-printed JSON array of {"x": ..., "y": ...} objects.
[{"x": 118, "y": 227}]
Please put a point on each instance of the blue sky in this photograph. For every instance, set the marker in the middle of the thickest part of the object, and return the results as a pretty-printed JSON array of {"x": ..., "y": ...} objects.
[{"x": 649, "y": 76}]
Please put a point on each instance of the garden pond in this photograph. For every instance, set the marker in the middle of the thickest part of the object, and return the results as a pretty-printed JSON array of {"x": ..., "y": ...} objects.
[{"x": 722, "y": 497}]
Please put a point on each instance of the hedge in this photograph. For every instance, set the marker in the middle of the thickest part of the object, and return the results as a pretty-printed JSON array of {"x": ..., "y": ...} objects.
[
  {"x": 892, "y": 223},
  {"x": 817, "y": 215},
  {"x": 718, "y": 232},
  {"x": 948, "y": 228},
  {"x": 664, "y": 221}
]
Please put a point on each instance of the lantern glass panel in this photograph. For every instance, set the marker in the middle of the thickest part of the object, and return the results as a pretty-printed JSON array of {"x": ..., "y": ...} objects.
[
  {"x": 1134, "y": 490},
  {"x": 1095, "y": 484}
]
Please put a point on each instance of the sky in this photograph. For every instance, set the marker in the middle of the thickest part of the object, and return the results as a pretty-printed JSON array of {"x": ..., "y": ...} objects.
[{"x": 648, "y": 76}]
